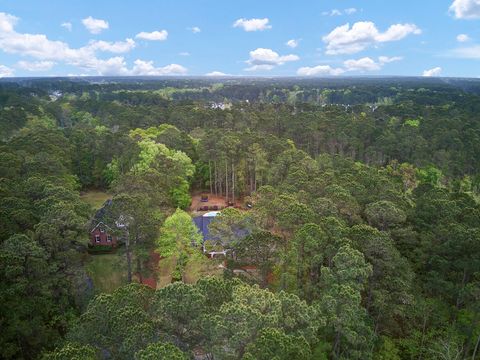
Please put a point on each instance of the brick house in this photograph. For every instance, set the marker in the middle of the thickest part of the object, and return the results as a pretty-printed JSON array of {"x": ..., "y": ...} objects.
[{"x": 102, "y": 234}]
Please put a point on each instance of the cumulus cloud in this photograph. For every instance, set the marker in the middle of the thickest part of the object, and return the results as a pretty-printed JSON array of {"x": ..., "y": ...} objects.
[
  {"x": 141, "y": 67},
  {"x": 253, "y": 24},
  {"x": 349, "y": 40},
  {"x": 44, "y": 50},
  {"x": 368, "y": 64},
  {"x": 118, "y": 66},
  {"x": 35, "y": 65},
  {"x": 465, "y": 9},
  {"x": 95, "y": 26},
  {"x": 113, "y": 47},
  {"x": 195, "y": 29},
  {"x": 336, "y": 12},
  {"x": 153, "y": 36},
  {"x": 216, "y": 73},
  {"x": 436, "y": 71},
  {"x": 184, "y": 53},
  {"x": 362, "y": 65},
  {"x": 7, "y": 22},
  {"x": 5, "y": 71},
  {"x": 463, "y": 38},
  {"x": 67, "y": 25},
  {"x": 267, "y": 59},
  {"x": 320, "y": 70},
  {"x": 293, "y": 43}
]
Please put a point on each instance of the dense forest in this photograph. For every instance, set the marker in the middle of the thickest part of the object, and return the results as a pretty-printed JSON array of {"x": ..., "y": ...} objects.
[{"x": 356, "y": 202}]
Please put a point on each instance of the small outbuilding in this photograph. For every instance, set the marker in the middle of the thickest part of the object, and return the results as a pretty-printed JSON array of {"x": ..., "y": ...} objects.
[{"x": 103, "y": 235}]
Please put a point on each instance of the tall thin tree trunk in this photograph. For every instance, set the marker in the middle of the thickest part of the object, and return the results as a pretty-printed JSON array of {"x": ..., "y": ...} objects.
[
  {"x": 233, "y": 182},
  {"x": 254, "y": 176},
  {"x": 226, "y": 180},
  {"x": 139, "y": 270},
  {"x": 476, "y": 348},
  {"x": 459, "y": 297},
  {"x": 216, "y": 177},
  {"x": 129, "y": 258},
  {"x": 210, "y": 175}
]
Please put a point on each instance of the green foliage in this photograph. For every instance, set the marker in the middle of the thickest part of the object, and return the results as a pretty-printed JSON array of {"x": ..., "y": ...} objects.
[
  {"x": 412, "y": 122},
  {"x": 71, "y": 351},
  {"x": 384, "y": 214},
  {"x": 429, "y": 175},
  {"x": 340, "y": 302},
  {"x": 179, "y": 237},
  {"x": 160, "y": 351},
  {"x": 178, "y": 234},
  {"x": 274, "y": 344},
  {"x": 181, "y": 195},
  {"x": 364, "y": 210}
]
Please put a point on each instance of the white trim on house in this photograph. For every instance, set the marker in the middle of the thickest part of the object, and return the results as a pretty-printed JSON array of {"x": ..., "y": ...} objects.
[{"x": 101, "y": 222}]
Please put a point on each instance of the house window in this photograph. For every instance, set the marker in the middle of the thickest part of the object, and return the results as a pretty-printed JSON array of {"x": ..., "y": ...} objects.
[
  {"x": 102, "y": 230},
  {"x": 97, "y": 238},
  {"x": 109, "y": 238}
]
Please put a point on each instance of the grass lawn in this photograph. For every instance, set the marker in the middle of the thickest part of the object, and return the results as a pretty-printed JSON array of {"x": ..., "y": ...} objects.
[
  {"x": 108, "y": 271},
  {"x": 196, "y": 268},
  {"x": 95, "y": 198},
  {"x": 201, "y": 266}
]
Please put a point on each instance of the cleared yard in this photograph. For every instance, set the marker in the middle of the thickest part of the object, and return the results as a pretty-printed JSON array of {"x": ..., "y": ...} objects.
[
  {"x": 213, "y": 200},
  {"x": 200, "y": 267},
  {"x": 95, "y": 198},
  {"x": 107, "y": 271}
]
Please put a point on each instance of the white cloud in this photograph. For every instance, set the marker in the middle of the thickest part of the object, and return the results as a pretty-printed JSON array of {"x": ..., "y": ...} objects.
[
  {"x": 469, "y": 52},
  {"x": 436, "y": 71},
  {"x": 153, "y": 36},
  {"x": 333, "y": 12},
  {"x": 320, "y": 70},
  {"x": 465, "y": 9},
  {"x": 253, "y": 24},
  {"x": 39, "y": 47},
  {"x": 362, "y": 65},
  {"x": 184, "y": 53},
  {"x": 67, "y": 25},
  {"x": 363, "y": 34},
  {"x": 386, "y": 59},
  {"x": 336, "y": 12},
  {"x": 35, "y": 65},
  {"x": 5, "y": 71},
  {"x": 95, "y": 26},
  {"x": 267, "y": 59},
  {"x": 195, "y": 29},
  {"x": 463, "y": 38},
  {"x": 368, "y": 64},
  {"x": 147, "y": 68},
  {"x": 113, "y": 47},
  {"x": 293, "y": 43},
  {"x": 216, "y": 73},
  {"x": 7, "y": 22},
  {"x": 264, "y": 67},
  {"x": 118, "y": 66}
]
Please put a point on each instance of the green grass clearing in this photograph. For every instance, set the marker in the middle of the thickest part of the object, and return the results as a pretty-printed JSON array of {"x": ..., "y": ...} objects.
[
  {"x": 108, "y": 271},
  {"x": 95, "y": 198},
  {"x": 201, "y": 266}
]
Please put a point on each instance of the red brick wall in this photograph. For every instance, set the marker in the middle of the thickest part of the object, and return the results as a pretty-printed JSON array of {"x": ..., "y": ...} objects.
[{"x": 103, "y": 238}]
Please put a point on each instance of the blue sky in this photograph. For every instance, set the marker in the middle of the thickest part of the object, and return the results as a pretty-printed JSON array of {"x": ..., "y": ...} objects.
[{"x": 246, "y": 38}]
